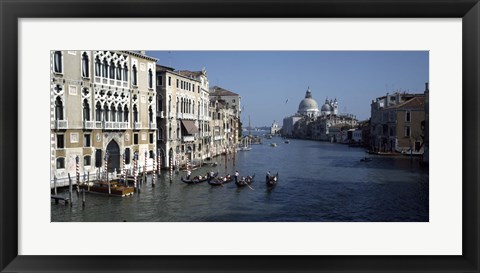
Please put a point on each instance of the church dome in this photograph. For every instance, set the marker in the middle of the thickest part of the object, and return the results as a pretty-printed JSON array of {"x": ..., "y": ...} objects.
[
  {"x": 308, "y": 104},
  {"x": 327, "y": 107}
]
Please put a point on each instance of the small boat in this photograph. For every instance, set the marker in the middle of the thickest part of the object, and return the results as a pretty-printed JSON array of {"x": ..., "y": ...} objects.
[
  {"x": 245, "y": 181},
  {"x": 195, "y": 180},
  {"x": 116, "y": 189},
  {"x": 273, "y": 144},
  {"x": 217, "y": 181},
  {"x": 366, "y": 159},
  {"x": 287, "y": 141},
  {"x": 271, "y": 180}
]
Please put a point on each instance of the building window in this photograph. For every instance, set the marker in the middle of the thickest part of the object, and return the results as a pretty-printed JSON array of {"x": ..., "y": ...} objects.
[
  {"x": 125, "y": 73},
  {"x": 151, "y": 138},
  {"x": 150, "y": 78},
  {"x": 86, "y": 140},
  {"x": 105, "y": 115},
  {"x": 134, "y": 75},
  {"x": 105, "y": 69},
  {"x": 177, "y": 83},
  {"x": 98, "y": 112},
  {"x": 150, "y": 154},
  {"x": 98, "y": 158},
  {"x": 86, "y": 110},
  {"x": 60, "y": 141},
  {"x": 407, "y": 116},
  {"x": 87, "y": 160},
  {"x": 119, "y": 71},
  {"x": 407, "y": 131},
  {"x": 127, "y": 155},
  {"x": 119, "y": 114},
  {"x": 58, "y": 109},
  {"x": 135, "y": 138},
  {"x": 57, "y": 62},
  {"x": 169, "y": 81},
  {"x": 159, "y": 80},
  {"x": 113, "y": 112},
  {"x": 112, "y": 70},
  {"x": 170, "y": 133},
  {"x": 135, "y": 113},
  {"x": 60, "y": 163},
  {"x": 85, "y": 65},
  {"x": 98, "y": 67},
  {"x": 125, "y": 114}
]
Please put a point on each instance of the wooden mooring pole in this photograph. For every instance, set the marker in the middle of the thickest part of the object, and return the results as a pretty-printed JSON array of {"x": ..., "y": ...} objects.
[
  {"x": 70, "y": 188},
  {"x": 83, "y": 197},
  {"x": 55, "y": 184}
]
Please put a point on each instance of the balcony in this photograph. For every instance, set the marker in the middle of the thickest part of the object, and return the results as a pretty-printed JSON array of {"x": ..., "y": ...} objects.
[
  {"x": 88, "y": 124},
  {"x": 98, "y": 124},
  {"x": 137, "y": 125},
  {"x": 205, "y": 134},
  {"x": 152, "y": 125},
  {"x": 186, "y": 116},
  {"x": 115, "y": 125},
  {"x": 160, "y": 114},
  {"x": 218, "y": 137},
  {"x": 59, "y": 124},
  {"x": 188, "y": 138}
]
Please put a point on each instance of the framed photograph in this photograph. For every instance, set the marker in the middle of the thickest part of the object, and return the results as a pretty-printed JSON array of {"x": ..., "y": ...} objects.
[{"x": 405, "y": 74}]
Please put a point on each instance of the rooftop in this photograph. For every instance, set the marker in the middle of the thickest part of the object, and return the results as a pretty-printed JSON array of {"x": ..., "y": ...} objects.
[{"x": 219, "y": 91}]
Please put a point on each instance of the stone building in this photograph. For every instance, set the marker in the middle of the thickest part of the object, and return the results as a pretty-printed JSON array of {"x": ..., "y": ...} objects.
[
  {"x": 225, "y": 110},
  {"x": 102, "y": 102},
  {"x": 182, "y": 115},
  {"x": 396, "y": 123},
  {"x": 311, "y": 123}
]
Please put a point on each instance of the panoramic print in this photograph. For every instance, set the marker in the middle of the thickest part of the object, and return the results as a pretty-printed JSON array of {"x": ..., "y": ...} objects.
[{"x": 239, "y": 136}]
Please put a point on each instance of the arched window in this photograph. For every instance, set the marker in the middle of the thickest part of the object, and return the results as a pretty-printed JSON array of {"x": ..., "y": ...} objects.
[
  {"x": 150, "y": 78},
  {"x": 57, "y": 62},
  {"x": 160, "y": 134},
  {"x": 85, "y": 65},
  {"x": 169, "y": 104},
  {"x": 105, "y": 68},
  {"x": 150, "y": 114},
  {"x": 125, "y": 114},
  {"x": 135, "y": 113},
  {"x": 98, "y": 67},
  {"x": 113, "y": 112},
  {"x": 119, "y": 71},
  {"x": 170, "y": 132},
  {"x": 181, "y": 105},
  {"x": 58, "y": 109},
  {"x": 60, "y": 163},
  {"x": 134, "y": 75},
  {"x": 86, "y": 110},
  {"x": 151, "y": 154},
  {"x": 120, "y": 114},
  {"x": 125, "y": 73},
  {"x": 98, "y": 112},
  {"x": 112, "y": 70},
  {"x": 105, "y": 115}
]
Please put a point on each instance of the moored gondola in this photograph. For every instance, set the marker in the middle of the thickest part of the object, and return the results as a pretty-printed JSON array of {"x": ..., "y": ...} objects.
[
  {"x": 198, "y": 179},
  {"x": 271, "y": 180},
  {"x": 217, "y": 181},
  {"x": 245, "y": 181}
]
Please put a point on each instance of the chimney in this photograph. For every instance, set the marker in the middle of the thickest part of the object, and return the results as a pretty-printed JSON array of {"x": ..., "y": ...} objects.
[{"x": 426, "y": 87}]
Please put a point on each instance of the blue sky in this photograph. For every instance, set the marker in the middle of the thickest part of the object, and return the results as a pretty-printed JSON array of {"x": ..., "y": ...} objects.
[{"x": 267, "y": 79}]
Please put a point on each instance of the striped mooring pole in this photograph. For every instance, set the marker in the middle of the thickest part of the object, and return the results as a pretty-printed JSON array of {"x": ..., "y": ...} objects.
[
  {"x": 144, "y": 180},
  {"x": 135, "y": 157},
  {"x": 171, "y": 168},
  {"x": 106, "y": 164},
  {"x": 159, "y": 160},
  {"x": 154, "y": 172},
  {"x": 77, "y": 167},
  {"x": 124, "y": 171}
]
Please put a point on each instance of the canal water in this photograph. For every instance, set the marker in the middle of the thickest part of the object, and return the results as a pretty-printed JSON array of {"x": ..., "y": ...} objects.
[{"x": 318, "y": 181}]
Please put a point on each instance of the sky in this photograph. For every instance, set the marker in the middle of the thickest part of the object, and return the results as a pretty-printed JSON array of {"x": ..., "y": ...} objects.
[{"x": 272, "y": 83}]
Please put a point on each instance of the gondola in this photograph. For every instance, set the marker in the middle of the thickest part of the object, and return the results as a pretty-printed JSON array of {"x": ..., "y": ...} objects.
[
  {"x": 271, "y": 180},
  {"x": 197, "y": 179},
  {"x": 366, "y": 159},
  {"x": 245, "y": 181},
  {"x": 217, "y": 181}
]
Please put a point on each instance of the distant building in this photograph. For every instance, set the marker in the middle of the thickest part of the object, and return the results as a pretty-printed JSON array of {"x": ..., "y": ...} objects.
[
  {"x": 275, "y": 129},
  {"x": 396, "y": 123},
  {"x": 311, "y": 123}
]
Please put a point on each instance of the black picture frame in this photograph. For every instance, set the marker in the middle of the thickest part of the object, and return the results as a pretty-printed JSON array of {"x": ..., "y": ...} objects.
[{"x": 11, "y": 11}]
